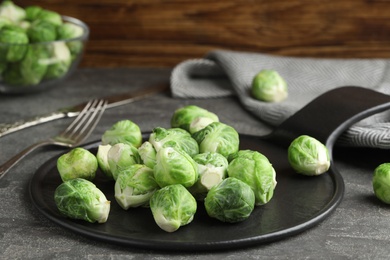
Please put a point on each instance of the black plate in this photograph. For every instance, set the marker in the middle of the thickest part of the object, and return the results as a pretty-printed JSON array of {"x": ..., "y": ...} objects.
[{"x": 299, "y": 203}]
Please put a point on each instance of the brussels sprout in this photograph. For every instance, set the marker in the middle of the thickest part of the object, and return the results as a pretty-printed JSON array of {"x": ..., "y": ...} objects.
[
  {"x": 4, "y": 21},
  {"x": 121, "y": 156},
  {"x": 381, "y": 182},
  {"x": 124, "y": 131},
  {"x": 172, "y": 207},
  {"x": 16, "y": 50},
  {"x": 217, "y": 137},
  {"x": 212, "y": 168},
  {"x": 12, "y": 76},
  {"x": 11, "y": 11},
  {"x": 269, "y": 86},
  {"x": 254, "y": 169},
  {"x": 81, "y": 199},
  {"x": 71, "y": 31},
  {"x": 188, "y": 118},
  {"x": 33, "y": 66},
  {"x": 174, "y": 166},
  {"x": 77, "y": 163},
  {"x": 173, "y": 137},
  {"x": 147, "y": 154},
  {"x": 41, "y": 31},
  {"x": 101, "y": 156},
  {"x": 50, "y": 17},
  {"x": 308, "y": 156},
  {"x": 230, "y": 201},
  {"x": 32, "y": 12},
  {"x": 135, "y": 186},
  {"x": 59, "y": 62}
]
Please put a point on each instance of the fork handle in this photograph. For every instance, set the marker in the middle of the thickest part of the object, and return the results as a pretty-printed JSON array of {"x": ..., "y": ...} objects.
[{"x": 15, "y": 159}]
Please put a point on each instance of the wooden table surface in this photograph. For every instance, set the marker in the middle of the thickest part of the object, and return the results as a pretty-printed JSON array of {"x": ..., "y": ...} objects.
[{"x": 162, "y": 33}]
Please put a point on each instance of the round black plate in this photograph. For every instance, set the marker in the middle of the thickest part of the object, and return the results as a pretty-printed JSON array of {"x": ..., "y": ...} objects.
[{"x": 299, "y": 203}]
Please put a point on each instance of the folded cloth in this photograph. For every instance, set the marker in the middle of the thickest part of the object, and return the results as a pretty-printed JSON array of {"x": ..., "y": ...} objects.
[{"x": 224, "y": 73}]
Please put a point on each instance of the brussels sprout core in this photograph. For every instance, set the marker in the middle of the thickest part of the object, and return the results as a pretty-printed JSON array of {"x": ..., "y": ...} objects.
[
  {"x": 381, "y": 182},
  {"x": 308, "y": 156}
]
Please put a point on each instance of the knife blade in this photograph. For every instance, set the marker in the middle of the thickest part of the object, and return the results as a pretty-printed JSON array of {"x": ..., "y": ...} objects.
[{"x": 113, "y": 101}]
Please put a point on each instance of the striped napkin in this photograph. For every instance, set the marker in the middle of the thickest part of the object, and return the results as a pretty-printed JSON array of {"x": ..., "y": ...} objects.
[{"x": 224, "y": 73}]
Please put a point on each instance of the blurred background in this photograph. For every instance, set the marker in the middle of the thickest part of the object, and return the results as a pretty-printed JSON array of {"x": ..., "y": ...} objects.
[{"x": 162, "y": 33}]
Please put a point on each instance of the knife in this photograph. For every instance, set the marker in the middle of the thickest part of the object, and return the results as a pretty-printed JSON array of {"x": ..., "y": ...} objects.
[{"x": 113, "y": 101}]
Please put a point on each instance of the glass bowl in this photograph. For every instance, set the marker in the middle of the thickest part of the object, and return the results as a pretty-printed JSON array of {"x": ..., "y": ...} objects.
[{"x": 34, "y": 67}]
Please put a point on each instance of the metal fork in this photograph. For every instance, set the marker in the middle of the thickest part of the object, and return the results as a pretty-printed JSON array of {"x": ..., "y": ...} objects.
[{"x": 72, "y": 136}]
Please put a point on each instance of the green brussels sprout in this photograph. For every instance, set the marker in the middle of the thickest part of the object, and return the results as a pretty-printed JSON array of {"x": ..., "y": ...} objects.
[
  {"x": 11, "y": 11},
  {"x": 381, "y": 182},
  {"x": 71, "y": 31},
  {"x": 14, "y": 48},
  {"x": 135, "y": 186},
  {"x": 41, "y": 31},
  {"x": 32, "y": 12},
  {"x": 175, "y": 166},
  {"x": 173, "y": 137},
  {"x": 192, "y": 118},
  {"x": 212, "y": 169},
  {"x": 50, "y": 17},
  {"x": 121, "y": 156},
  {"x": 254, "y": 169},
  {"x": 269, "y": 86},
  {"x": 12, "y": 76},
  {"x": 81, "y": 199},
  {"x": 59, "y": 62},
  {"x": 101, "y": 156},
  {"x": 33, "y": 67},
  {"x": 230, "y": 201},
  {"x": 217, "y": 137},
  {"x": 4, "y": 22},
  {"x": 308, "y": 156},
  {"x": 147, "y": 154},
  {"x": 77, "y": 163},
  {"x": 172, "y": 207},
  {"x": 124, "y": 131},
  {"x": 68, "y": 31}
]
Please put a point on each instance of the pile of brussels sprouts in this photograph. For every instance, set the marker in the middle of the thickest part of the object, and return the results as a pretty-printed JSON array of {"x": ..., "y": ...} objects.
[
  {"x": 196, "y": 160},
  {"x": 35, "y": 44}
]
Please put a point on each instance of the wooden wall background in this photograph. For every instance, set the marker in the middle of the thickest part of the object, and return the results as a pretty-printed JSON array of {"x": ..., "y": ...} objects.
[{"x": 162, "y": 33}]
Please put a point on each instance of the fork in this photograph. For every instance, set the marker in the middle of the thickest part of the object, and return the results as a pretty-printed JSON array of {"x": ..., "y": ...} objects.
[{"x": 72, "y": 136}]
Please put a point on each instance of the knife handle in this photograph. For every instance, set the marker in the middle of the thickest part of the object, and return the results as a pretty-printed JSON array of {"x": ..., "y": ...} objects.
[{"x": 7, "y": 128}]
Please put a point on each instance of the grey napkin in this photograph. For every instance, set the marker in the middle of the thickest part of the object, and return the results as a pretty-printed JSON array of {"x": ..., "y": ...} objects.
[{"x": 223, "y": 73}]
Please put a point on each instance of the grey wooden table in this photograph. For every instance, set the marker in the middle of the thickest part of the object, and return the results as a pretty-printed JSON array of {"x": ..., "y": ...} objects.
[{"x": 358, "y": 229}]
